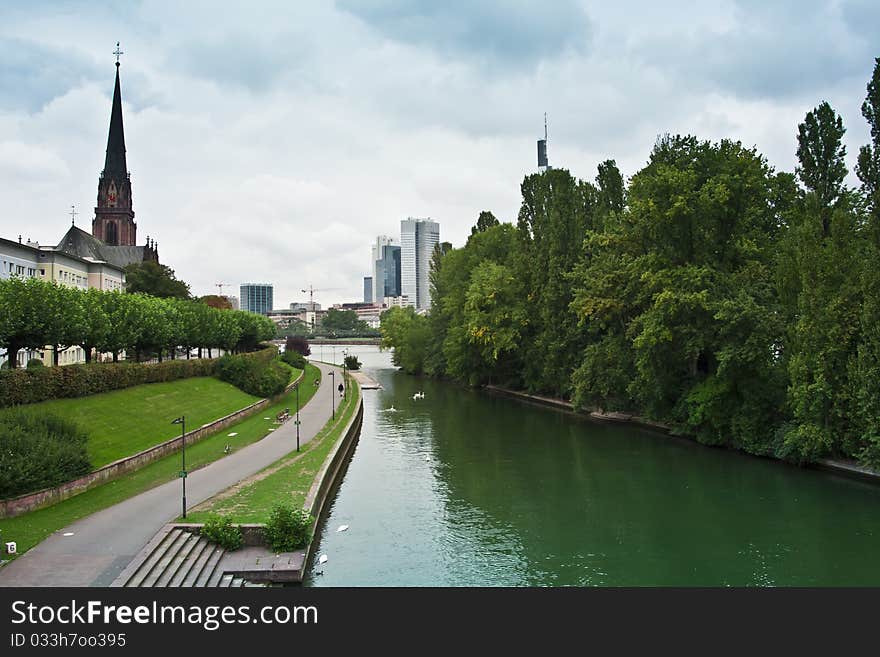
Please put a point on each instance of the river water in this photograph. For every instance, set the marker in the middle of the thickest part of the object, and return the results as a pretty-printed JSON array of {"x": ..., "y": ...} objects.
[{"x": 466, "y": 488}]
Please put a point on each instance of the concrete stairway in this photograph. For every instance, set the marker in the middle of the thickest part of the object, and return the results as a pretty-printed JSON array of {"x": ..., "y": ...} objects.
[{"x": 179, "y": 558}]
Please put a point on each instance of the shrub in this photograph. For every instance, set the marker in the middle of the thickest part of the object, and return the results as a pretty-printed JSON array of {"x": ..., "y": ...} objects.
[
  {"x": 273, "y": 380},
  {"x": 34, "y": 362},
  {"x": 294, "y": 359},
  {"x": 298, "y": 344},
  {"x": 352, "y": 362},
  {"x": 220, "y": 530},
  {"x": 287, "y": 529},
  {"x": 254, "y": 375},
  {"x": 39, "y": 451}
]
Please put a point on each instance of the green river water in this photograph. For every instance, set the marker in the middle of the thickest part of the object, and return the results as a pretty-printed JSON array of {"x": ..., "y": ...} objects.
[{"x": 465, "y": 488}]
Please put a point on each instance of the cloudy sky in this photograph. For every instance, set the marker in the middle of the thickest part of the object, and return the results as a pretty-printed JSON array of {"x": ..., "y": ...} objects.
[{"x": 273, "y": 142}]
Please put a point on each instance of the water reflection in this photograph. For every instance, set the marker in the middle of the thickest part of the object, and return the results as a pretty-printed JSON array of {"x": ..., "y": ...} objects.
[{"x": 464, "y": 488}]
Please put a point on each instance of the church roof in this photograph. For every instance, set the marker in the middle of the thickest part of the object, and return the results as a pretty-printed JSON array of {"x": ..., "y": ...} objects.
[
  {"x": 114, "y": 164},
  {"x": 79, "y": 243}
]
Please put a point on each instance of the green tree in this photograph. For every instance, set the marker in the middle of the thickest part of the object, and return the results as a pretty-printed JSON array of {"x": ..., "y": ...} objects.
[
  {"x": 868, "y": 166},
  {"x": 337, "y": 320},
  {"x": 484, "y": 222},
  {"x": 122, "y": 313},
  {"x": 677, "y": 297},
  {"x": 26, "y": 317},
  {"x": 96, "y": 323},
  {"x": 494, "y": 319},
  {"x": 611, "y": 187},
  {"x": 149, "y": 277},
  {"x": 556, "y": 213},
  {"x": 408, "y": 334},
  {"x": 821, "y": 158},
  {"x": 865, "y": 366}
]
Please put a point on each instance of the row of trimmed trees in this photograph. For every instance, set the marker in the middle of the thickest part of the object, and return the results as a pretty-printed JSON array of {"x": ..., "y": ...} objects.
[
  {"x": 35, "y": 314},
  {"x": 737, "y": 303}
]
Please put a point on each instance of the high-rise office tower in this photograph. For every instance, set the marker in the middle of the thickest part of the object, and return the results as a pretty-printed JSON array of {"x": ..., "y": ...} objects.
[
  {"x": 257, "y": 297},
  {"x": 368, "y": 289},
  {"x": 386, "y": 268},
  {"x": 418, "y": 237}
]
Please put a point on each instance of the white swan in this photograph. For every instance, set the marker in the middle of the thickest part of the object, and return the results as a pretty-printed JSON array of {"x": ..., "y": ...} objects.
[{"x": 322, "y": 558}]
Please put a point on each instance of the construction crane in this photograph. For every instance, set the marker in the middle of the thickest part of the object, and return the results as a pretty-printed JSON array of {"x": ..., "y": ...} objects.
[
  {"x": 221, "y": 286},
  {"x": 312, "y": 291}
]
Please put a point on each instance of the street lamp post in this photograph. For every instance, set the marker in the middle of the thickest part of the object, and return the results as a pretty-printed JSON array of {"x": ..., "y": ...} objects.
[
  {"x": 344, "y": 374},
  {"x": 182, "y": 422},
  {"x": 333, "y": 393},
  {"x": 297, "y": 417}
]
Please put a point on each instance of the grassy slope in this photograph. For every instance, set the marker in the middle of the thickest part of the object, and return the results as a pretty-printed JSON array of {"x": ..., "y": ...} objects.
[
  {"x": 290, "y": 478},
  {"x": 125, "y": 422},
  {"x": 31, "y": 528}
]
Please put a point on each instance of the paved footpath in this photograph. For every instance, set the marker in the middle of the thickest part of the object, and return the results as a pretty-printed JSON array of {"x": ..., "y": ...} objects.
[{"x": 105, "y": 542}]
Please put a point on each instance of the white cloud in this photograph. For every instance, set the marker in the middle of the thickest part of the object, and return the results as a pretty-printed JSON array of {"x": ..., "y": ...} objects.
[{"x": 274, "y": 141}]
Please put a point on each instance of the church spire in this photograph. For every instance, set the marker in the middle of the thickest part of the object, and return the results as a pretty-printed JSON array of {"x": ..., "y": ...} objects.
[
  {"x": 114, "y": 165},
  {"x": 114, "y": 218}
]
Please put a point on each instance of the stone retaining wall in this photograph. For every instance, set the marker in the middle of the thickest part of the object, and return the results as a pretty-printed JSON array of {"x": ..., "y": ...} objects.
[
  {"x": 46, "y": 497},
  {"x": 845, "y": 468}
]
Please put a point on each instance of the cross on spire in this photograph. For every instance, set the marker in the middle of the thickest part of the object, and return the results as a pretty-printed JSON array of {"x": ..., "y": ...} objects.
[
  {"x": 117, "y": 52},
  {"x": 73, "y": 214}
]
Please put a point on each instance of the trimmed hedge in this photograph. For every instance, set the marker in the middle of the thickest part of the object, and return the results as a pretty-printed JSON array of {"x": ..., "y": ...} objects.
[
  {"x": 36, "y": 384},
  {"x": 28, "y": 386},
  {"x": 39, "y": 451}
]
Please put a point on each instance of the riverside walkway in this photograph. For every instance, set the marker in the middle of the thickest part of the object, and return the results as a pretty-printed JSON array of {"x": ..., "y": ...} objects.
[{"x": 102, "y": 544}]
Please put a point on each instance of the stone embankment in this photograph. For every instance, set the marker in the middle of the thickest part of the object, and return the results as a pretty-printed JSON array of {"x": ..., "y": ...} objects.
[{"x": 846, "y": 468}]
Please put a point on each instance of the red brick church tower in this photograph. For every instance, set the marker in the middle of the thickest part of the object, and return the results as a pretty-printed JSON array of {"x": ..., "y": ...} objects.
[{"x": 114, "y": 219}]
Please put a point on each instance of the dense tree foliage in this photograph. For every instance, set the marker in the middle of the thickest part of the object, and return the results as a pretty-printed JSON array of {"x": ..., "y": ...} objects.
[
  {"x": 343, "y": 322},
  {"x": 738, "y": 304},
  {"x": 35, "y": 314},
  {"x": 149, "y": 277}
]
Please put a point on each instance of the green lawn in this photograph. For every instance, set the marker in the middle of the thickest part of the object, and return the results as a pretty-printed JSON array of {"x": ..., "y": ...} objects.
[
  {"x": 125, "y": 422},
  {"x": 286, "y": 481},
  {"x": 31, "y": 528}
]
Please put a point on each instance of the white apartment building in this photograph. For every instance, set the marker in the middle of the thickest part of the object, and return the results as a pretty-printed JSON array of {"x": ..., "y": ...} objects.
[{"x": 30, "y": 260}]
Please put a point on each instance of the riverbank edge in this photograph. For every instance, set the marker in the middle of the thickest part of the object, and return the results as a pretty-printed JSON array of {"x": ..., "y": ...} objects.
[
  {"x": 847, "y": 469},
  {"x": 16, "y": 506},
  {"x": 329, "y": 475}
]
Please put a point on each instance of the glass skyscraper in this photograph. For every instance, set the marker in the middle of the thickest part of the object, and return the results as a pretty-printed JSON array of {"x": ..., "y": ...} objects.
[{"x": 257, "y": 297}]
